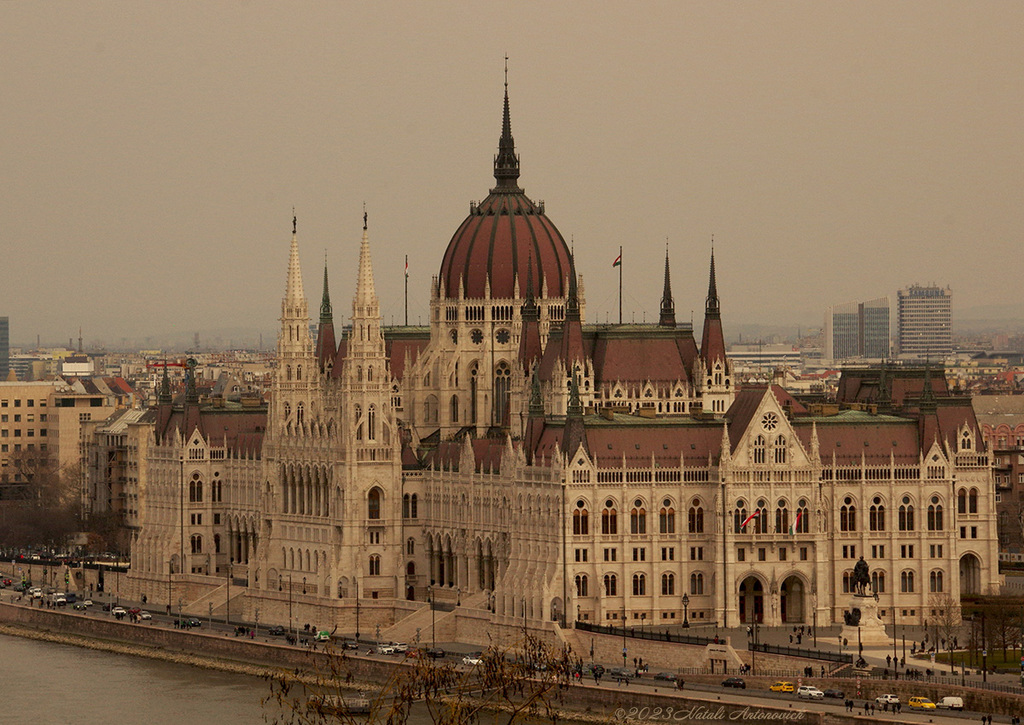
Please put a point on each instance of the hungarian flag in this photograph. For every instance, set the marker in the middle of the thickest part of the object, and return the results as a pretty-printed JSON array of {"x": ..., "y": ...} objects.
[
  {"x": 618, "y": 261},
  {"x": 407, "y": 265},
  {"x": 796, "y": 524},
  {"x": 750, "y": 518}
]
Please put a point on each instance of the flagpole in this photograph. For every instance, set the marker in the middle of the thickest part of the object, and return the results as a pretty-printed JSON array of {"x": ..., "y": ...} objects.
[
  {"x": 407, "y": 290},
  {"x": 620, "y": 285}
]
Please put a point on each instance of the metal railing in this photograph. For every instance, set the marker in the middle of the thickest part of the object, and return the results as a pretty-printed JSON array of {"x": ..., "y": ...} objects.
[
  {"x": 645, "y": 634},
  {"x": 812, "y": 654}
]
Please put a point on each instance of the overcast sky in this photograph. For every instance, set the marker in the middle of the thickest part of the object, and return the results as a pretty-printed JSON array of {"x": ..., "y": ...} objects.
[{"x": 152, "y": 152}]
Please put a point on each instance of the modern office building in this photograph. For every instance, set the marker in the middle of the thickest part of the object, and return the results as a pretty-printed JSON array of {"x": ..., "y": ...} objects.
[
  {"x": 5, "y": 348},
  {"x": 858, "y": 330},
  {"x": 924, "y": 321}
]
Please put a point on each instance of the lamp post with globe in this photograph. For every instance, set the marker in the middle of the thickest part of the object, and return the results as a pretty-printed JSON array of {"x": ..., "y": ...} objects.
[{"x": 686, "y": 611}]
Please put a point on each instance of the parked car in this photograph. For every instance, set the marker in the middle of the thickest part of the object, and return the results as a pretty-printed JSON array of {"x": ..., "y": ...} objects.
[
  {"x": 118, "y": 611},
  {"x": 620, "y": 673},
  {"x": 276, "y": 631},
  {"x": 385, "y": 649},
  {"x": 737, "y": 682},
  {"x": 350, "y": 644},
  {"x": 922, "y": 703},
  {"x": 472, "y": 659},
  {"x": 887, "y": 699},
  {"x": 400, "y": 646},
  {"x": 782, "y": 686},
  {"x": 145, "y": 615},
  {"x": 665, "y": 676},
  {"x": 810, "y": 692},
  {"x": 435, "y": 653},
  {"x": 950, "y": 703},
  {"x": 838, "y": 694}
]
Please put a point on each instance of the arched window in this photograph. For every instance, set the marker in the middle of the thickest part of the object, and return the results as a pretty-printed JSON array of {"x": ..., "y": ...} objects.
[
  {"x": 972, "y": 501},
  {"x": 906, "y": 515},
  {"x": 667, "y": 518},
  {"x": 803, "y": 518},
  {"x": 410, "y": 546},
  {"x": 374, "y": 565},
  {"x": 639, "y": 585},
  {"x": 847, "y": 582},
  {"x": 609, "y": 519},
  {"x": 696, "y": 583},
  {"x": 610, "y": 586},
  {"x": 935, "y": 581},
  {"x": 638, "y": 518},
  {"x": 907, "y": 582},
  {"x": 371, "y": 423},
  {"x": 502, "y": 378},
  {"x": 695, "y": 518},
  {"x": 298, "y": 372},
  {"x": 965, "y": 441},
  {"x": 455, "y": 409},
  {"x": 197, "y": 544},
  {"x": 781, "y": 518},
  {"x": 876, "y": 515},
  {"x": 580, "y": 520},
  {"x": 848, "y": 515},
  {"x": 414, "y": 507},
  {"x": 761, "y": 522},
  {"x": 287, "y": 410},
  {"x": 581, "y": 585},
  {"x": 935, "y": 514},
  {"x": 369, "y": 373},
  {"x": 359, "y": 369},
  {"x": 405, "y": 506},
  {"x": 430, "y": 411},
  {"x": 288, "y": 368},
  {"x": 739, "y": 516},
  {"x": 668, "y": 585},
  {"x": 195, "y": 489},
  {"x": 300, "y": 413},
  {"x": 878, "y": 582},
  {"x": 780, "y": 449},
  {"x": 357, "y": 412},
  {"x": 373, "y": 504},
  {"x": 759, "y": 446},
  {"x": 961, "y": 501}
]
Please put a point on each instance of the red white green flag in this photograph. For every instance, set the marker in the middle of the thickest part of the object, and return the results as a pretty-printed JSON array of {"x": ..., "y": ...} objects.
[
  {"x": 618, "y": 261},
  {"x": 757, "y": 512}
]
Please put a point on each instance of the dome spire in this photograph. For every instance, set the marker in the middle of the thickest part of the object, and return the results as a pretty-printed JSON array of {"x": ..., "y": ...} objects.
[
  {"x": 506, "y": 163},
  {"x": 668, "y": 305},
  {"x": 711, "y": 306}
]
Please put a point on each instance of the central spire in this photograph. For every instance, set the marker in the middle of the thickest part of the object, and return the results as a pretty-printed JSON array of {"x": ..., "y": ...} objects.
[
  {"x": 668, "y": 306},
  {"x": 711, "y": 306},
  {"x": 506, "y": 163}
]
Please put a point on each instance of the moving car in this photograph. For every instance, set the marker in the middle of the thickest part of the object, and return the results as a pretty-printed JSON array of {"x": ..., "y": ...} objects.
[
  {"x": 276, "y": 631},
  {"x": 887, "y": 699},
  {"x": 145, "y": 615},
  {"x": 400, "y": 646},
  {"x": 435, "y": 653},
  {"x": 385, "y": 649},
  {"x": 620, "y": 673},
  {"x": 118, "y": 611},
  {"x": 950, "y": 703},
  {"x": 838, "y": 694},
  {"x": 922, "y": 703},
  {"x": 781, "y": 686},
  {"x": 737, "y": 682},
  {"x": 472, "y": 659},
  {"x": 665, "y": 676},
  {"x": 810, "y": 692}
]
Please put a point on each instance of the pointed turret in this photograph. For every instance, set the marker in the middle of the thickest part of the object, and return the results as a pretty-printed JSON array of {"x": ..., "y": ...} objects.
[
  {"x": 572, "y": 329},
  {"x": 506, "y": 163},
  {"x": 365, "y": 303},
  {"x": 326, "y": 346},
  {"x": 928, "y": 402},
  {"x": 294, "y": 302},
  {"x": 529, "y": 338},
  {"x": 712, "y": 343},
  {"x": 165, "y": 397},
  {"x": 575, "y": 433},
  {"x": 535, "y": 418},
  {"x": 191, "y": 392},
  {"x": 668, "y": 306}
]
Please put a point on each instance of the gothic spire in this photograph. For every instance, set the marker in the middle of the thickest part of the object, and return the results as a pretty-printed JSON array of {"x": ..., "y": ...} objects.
[
  {"x": 326, "y": 313},
  {"x": 668, "y": 306},
  {"x": 536, "y": 402},
  {"x": 165, "y": 397},
  {"x": 366, "y": 292},
  {"x": 711, "y": 305},
  {"x": 506, "y": 163},
  {"x": 294, "y": 295}
]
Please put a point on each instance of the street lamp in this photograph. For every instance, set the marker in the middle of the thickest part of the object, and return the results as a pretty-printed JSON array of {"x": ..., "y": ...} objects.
[
  {"x": 433, "y": 617},
  {"x": 686, "y": 611},
  {"x": 623, "y": 637},
  {"x": 355, "y": 585},
  {"x": 643, "y": 618}
]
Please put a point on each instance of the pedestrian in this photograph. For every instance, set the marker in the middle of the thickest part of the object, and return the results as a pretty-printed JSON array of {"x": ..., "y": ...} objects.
[
  {"x": 823, "y": 670},
  {"x": 791, "y": 639}
]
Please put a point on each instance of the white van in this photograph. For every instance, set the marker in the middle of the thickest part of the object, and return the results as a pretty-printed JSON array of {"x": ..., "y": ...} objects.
[{"x": 950, "y": 703}]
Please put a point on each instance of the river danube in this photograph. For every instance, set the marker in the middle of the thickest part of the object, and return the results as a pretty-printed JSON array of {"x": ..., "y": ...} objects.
[{"x": 44, "y": 682}]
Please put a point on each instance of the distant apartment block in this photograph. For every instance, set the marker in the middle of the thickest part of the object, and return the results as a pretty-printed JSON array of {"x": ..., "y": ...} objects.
[
  {"x": 858, "y": 330},
  {"x": 925, "y": 328},
  {"x": 5, "y": 348}
]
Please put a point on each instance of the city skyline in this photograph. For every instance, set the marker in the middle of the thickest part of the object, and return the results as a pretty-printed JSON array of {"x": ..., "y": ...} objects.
[{"x": 834, "y": 153}]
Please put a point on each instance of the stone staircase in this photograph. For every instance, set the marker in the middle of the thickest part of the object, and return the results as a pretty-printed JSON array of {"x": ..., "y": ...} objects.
[
  {"x": 201, "y": 607},
  {"x": 422, "y": 619}
]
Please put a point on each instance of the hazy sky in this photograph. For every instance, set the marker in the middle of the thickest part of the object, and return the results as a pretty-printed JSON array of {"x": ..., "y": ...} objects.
[{"x": 152, "y": 152}]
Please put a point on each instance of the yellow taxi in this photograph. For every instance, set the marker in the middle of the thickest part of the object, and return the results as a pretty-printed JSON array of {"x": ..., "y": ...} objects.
[
  {"x": 922, "y": 703},
  {"x": 781, "y": 686}
]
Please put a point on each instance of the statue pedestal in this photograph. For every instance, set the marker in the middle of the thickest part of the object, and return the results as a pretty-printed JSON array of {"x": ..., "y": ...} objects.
[{"x": 871, "y": 629}]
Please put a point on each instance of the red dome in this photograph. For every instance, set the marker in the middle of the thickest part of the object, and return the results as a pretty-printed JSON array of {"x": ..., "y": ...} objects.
[
  {"x": 496, "y": 243},
  {"x": 503, "y": 237}
]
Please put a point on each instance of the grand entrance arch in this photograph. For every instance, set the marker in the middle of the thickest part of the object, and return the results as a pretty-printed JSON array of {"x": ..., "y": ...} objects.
[
  {"x": 751, "y": 600},
  {"x": 970, "y": 574},
  {"x": 791, "y": 597}
]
